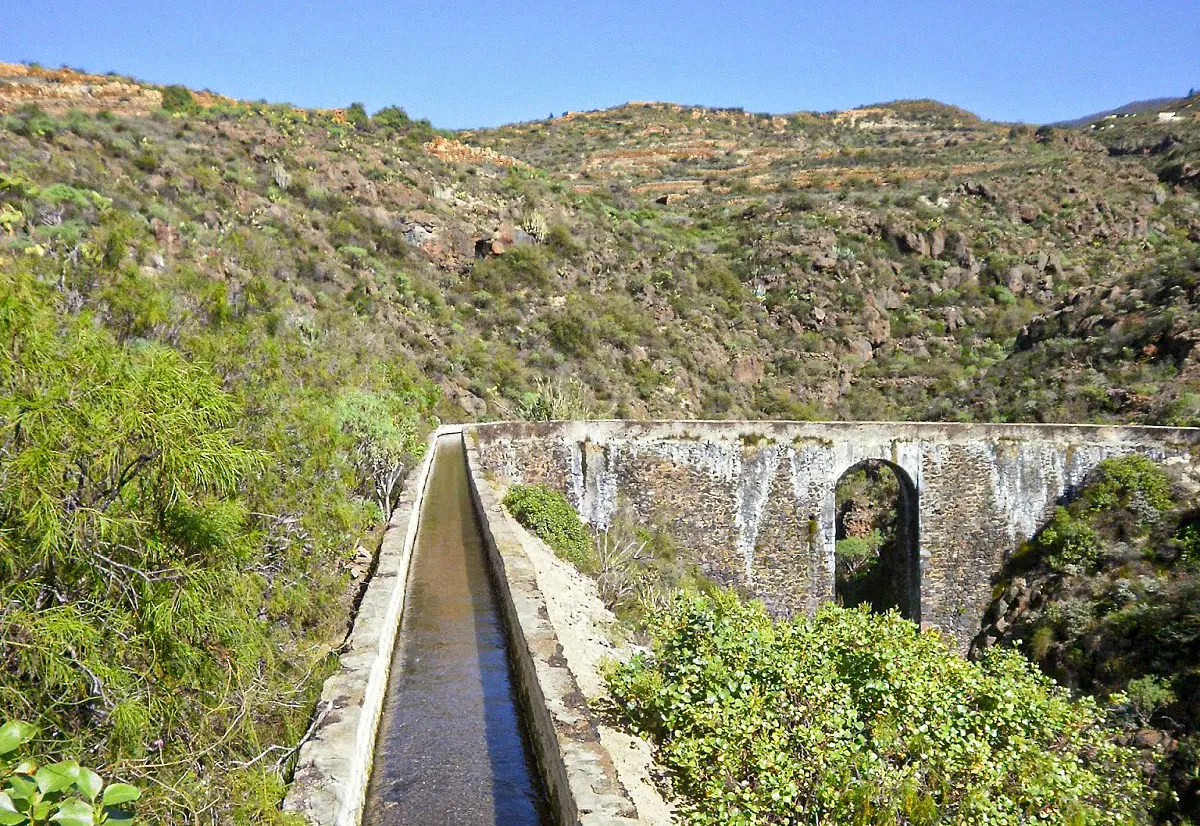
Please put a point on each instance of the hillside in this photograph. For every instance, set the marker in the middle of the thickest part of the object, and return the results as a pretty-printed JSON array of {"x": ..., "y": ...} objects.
[
  {"x": 310, "y": 291},
  {"x": 1132, "y": 108},
  {"x": 893, "y": 254}
]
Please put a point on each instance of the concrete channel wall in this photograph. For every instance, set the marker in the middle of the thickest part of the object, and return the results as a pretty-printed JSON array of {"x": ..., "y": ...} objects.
[
  {"x": 577, "y": 770},
  {"x": 334, "y": 768},
  {"x": 330, "y": 783}
]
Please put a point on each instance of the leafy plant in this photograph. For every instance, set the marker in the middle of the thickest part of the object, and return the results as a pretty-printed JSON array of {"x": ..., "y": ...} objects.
[
  {"x": 1129, "y": 482},
  {"x": 1148, "y": 694},
  {"x": 384, "y": 428},
  {"x": 547, "y": 514},
  {"x": 855, "y": 553},
  {"x": 178, "y": 99},
  {"x": 853, "y": 717},
  {"x": 555, "y": 399},
  {"x": 64, "y": 792},
  {"x": 1068, "y": 542}
]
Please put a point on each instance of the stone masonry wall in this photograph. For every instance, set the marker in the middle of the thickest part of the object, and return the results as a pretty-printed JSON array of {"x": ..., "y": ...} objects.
[{"x": 756, "y": 500}]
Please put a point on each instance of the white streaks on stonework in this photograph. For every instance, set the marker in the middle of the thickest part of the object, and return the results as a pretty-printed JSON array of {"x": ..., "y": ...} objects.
[
  {"x": 812, "y": 466},
  {"x": 720, "y": 459},
  {"x": 754, "y": 486},
  {"x": 1029, "y": 479},
  {"x": 596, "y": 480}
]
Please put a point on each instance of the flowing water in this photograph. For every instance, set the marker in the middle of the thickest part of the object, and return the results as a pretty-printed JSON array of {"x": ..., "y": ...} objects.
[{"x": 452, "y": 748}]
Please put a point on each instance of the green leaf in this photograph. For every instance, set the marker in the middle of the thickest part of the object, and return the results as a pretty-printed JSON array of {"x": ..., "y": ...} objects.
[
  {"x": 117, "y": 817},
  {"x": 118, "y": 793},
  {"x": 57, "y": 776},
  {"x": 74, "y": 813},
  {"x": 9, "y": 816},
  {"x": 22, "y": 788},
  {"x": 89, "y": 783},
  {"x": 15, "y": 734}
]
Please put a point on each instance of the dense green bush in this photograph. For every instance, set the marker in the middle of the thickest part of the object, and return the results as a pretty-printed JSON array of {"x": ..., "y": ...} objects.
[
  {"x": 178, "y": 99},
  {"x": 1123, "y": 497},
  {"x": 851, "y": 717},
  {"x": 1068, "y": 542},
  {"x": 547, "y": 513},
  {"x": 1130, "y": 482}
]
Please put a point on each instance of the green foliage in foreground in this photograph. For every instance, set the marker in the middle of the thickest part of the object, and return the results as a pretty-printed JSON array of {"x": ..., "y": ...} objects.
[
  {"x": 64, "y": 793},
  {"x": 547, "y": 513},
  {"x": 852, "y": 717},
  {"x": 119, "y": 522}
]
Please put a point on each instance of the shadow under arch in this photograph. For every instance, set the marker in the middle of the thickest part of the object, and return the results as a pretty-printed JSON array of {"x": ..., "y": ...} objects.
[{"x": 894, "y": 580}]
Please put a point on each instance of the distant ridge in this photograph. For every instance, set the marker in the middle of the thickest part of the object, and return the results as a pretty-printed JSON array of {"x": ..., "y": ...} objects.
[{"x": 1134, "y": 108}]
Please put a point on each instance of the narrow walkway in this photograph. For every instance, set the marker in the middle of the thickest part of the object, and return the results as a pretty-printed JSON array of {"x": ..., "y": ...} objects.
[{"x": 451, "y": 746}]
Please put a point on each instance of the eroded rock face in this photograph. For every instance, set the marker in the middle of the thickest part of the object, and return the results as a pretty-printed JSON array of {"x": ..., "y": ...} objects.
[
  {"x": 453, "y": 151},
  {"x": 58, "y": 90}
]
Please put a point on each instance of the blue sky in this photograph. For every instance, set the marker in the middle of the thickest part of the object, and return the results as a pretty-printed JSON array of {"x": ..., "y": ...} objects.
[{"x": 464, "y": 64}]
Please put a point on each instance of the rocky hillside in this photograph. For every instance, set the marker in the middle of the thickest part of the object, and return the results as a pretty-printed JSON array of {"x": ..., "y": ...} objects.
[
  {"x": 893, "y": 256},
  {"x": 879, "y": 262},
  {"x": 1105, "y": 599}
]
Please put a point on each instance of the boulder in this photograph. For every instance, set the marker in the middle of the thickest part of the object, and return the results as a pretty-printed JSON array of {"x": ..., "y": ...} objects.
[
  {"x": 1016, "y": 280},
  {"x": 748, "y": 369},
  {"x": 861, "y": 348},
  {"x": 954, "y": 318},
  {"x": 937, "y": 242}
]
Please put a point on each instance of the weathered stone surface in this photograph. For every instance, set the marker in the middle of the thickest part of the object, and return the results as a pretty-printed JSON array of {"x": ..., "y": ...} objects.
[{"x": 755, "y": 501}]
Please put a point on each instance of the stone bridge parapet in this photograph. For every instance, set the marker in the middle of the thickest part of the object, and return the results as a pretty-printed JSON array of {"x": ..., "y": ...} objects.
[{"x": 756, "y": 500}]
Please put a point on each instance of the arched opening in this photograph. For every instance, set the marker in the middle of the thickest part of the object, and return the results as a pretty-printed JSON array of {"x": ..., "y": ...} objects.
[{"x": 877, "y": 561}]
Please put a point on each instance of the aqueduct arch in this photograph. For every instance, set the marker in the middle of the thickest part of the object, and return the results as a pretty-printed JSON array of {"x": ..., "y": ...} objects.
[
  {"x": 756, "y": 500},
  {"x": 896, "y": 572}
]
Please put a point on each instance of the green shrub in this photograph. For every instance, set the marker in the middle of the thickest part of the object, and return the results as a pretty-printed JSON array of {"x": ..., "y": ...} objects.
[
  {"x": 1149, "y": 693},
  {"x": 854, "y": 553},
  {"x": 356, "y": 116},
  {"x": 547, "y": 513},
  {"x": 1068, "y": 542},
  {"x": 64, "y": 793},
  {"x": 178, "y": 99},
  {"x": 852, "y": 717},
  {"x": 1188, "y": 540},
  {"x": 1131, "y": 482}
]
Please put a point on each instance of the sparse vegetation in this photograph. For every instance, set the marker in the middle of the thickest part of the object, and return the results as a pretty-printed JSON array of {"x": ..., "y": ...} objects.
[{"x": 1105, "y": 600}]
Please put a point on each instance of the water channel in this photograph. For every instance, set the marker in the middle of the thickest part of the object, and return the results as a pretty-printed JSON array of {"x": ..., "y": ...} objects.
[{"x": 452, "y": 747}]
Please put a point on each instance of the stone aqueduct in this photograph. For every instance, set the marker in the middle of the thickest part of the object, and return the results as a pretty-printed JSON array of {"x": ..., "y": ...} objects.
[{"x": 756, "y": 500}]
